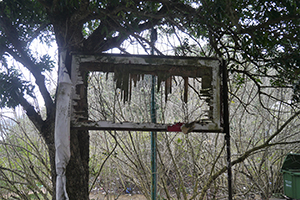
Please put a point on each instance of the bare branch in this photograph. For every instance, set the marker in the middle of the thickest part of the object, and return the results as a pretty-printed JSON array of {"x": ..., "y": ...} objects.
[{"x": 246, "y": 155}]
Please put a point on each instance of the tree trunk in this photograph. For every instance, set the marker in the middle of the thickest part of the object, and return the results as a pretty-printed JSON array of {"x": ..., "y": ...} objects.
[
  {"x": 77, "y": 170},
  {"x": 47, "y": 132}
]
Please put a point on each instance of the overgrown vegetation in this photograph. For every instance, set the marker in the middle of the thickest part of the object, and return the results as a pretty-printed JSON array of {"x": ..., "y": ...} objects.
[
  {"x": 194, "y": 165},
  {"x": 258, "y": 41},
  {"x": 189, "y": 166}
]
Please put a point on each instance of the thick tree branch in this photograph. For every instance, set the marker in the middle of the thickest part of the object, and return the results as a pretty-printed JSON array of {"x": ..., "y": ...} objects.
[
  {"x": 40, "y": 79},
  {"x": 95, "y": 41},
  {"x": 34, "y": 117},
  {"x": 21, "y": 56}
]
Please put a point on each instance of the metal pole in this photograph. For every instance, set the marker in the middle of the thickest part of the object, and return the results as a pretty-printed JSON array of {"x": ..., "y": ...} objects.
[
  {"x": 153, "y": 143},
  {"x": 153, "y": 133},
  {"x": 226, "y": 129}
]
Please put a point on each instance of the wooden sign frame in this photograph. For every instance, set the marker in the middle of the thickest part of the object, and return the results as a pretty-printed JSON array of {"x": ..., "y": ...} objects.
[{"x": 163, "y": 67}]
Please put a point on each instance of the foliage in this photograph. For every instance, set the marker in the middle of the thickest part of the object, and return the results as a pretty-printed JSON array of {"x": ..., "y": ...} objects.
[
  {"x": 263, "y": 33},
  {"x": 13, "y": 88}
]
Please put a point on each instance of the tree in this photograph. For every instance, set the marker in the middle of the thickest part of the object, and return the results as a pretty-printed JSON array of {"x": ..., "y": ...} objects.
[
  {"x": 241, "y": 32},
  {"x": 263, "y": 33},
  {"x": 23, "y": 21}
]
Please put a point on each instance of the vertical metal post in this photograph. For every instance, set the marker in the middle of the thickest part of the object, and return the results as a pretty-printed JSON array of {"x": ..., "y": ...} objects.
[
  {"x": 153, "y": 143},
  {"x": 153, "y": 133},
  {"x": 226, "y": 128}
]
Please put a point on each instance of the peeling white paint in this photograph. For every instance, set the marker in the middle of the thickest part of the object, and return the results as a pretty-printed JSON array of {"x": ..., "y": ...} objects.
[
  {"x": 62, "y": 129},
  {"x": 140, "y": 62}
]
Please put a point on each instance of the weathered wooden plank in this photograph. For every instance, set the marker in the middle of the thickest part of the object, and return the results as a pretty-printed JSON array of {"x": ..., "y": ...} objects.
[
  {"x": 128, "y": 69},
  {"x": 130, "y": 126}
]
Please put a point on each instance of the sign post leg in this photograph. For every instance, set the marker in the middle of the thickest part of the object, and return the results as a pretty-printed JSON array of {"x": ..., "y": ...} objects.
[
  {"x": 226, "y": 129},
  {"x": 153, "y": 144}
]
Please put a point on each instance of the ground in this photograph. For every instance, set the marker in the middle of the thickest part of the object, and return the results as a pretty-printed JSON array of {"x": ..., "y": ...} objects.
[
  {"x": 121, "y": 197},
  {"x": 132, "y": 197}
]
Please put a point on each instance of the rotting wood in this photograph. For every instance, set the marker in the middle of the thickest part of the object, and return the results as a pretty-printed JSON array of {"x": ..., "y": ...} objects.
[
  {"x": 129, "y": 69},
  {"x": 130, "y": 126}
]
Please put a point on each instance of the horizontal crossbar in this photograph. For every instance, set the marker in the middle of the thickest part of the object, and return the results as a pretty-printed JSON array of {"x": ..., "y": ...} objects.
[{"x": 129, "y": 126}]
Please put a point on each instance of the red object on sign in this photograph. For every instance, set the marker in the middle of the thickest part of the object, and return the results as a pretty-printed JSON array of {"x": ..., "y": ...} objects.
[{"x": 175, "y": 128}]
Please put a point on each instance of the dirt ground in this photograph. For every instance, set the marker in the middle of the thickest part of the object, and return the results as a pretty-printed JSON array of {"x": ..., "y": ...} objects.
[
  {"x": 135, "y": 197},
  {"x": 121, "y": 197}
]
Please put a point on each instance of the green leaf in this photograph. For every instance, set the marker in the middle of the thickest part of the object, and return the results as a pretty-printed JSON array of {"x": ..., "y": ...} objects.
[
  {"x": 179, "y": 140},
  {"x": 12, "y": 87}
]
